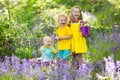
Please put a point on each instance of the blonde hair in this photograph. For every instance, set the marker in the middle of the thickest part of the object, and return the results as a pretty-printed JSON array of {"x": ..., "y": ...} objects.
[
  {"x": 63, "y": 15},
  {"x": 71, "y": 15},
  {"x": 46, "y": 38}
]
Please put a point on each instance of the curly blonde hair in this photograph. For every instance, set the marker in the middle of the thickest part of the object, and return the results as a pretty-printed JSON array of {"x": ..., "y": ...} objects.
[
  {"x": 62, "y": 15},
  {"x": 71, "y": 15}
]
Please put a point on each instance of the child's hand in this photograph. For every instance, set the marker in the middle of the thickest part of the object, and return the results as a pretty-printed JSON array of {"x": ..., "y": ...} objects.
[
  {"x": 38, "y": 51},
  {"x": 58, "y": 38}
]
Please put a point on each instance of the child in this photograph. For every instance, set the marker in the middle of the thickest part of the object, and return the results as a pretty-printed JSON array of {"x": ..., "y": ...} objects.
[
  {"x": 47, "y": 51},
  {"x": 63, "y": 35},
  {"x": 78, "y": 42}
]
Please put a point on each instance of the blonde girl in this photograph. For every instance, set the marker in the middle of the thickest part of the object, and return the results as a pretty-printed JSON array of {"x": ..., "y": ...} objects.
[
  {"x": 78, "y": 42},
  {"x": 47, "y": 51},
  {"x": 63, "y": 36}
]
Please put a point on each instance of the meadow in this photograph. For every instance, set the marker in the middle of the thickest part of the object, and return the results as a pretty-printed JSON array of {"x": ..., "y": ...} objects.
[
  {"x": 100, "y": 62},
  {"x": 23, "y": 24}
]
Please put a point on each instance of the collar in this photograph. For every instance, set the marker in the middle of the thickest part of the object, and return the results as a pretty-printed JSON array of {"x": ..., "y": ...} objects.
[
  {"x": 46, "y": 46},
  {"x": 62, "y": 26},
  {"x": 76, "y": 21}
]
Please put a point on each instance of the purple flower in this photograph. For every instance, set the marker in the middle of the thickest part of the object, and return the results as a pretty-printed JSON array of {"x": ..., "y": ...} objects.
[
  {"x": 114, "y": 49},
  {"x": 41, "y": 77},
  {"x": 0, "y": 59},
  {"x": 3, "y": 68}
]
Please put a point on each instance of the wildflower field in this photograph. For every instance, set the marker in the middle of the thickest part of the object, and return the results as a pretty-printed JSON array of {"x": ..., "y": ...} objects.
[
  {"x": 23, "y": 24},
  {"x": 100, "y": 62}
]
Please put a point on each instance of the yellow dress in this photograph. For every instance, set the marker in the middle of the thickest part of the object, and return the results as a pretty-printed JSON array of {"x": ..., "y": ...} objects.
[{"x": 78, "y": 42}]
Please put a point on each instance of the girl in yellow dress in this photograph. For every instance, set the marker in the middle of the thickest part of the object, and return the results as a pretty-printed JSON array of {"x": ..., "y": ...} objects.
[{"x": 78, "y": 42}]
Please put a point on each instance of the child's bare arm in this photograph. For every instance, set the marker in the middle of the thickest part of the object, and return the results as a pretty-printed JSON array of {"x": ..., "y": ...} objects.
[
  {"x": 63, "y": 37},
  {"x": 38, "y": 51}
]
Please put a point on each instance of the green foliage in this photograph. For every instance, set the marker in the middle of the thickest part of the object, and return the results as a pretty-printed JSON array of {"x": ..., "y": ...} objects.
[
  {"x": 24, "y": 23},
  {"x": 102, "y": 43}
]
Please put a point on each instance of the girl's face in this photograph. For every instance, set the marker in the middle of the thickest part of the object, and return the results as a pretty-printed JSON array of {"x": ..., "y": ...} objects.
[
  {"x": 48, "y": 42},
  {"x": 76, "y": 13},
  {"x": 62, "y": 20}
]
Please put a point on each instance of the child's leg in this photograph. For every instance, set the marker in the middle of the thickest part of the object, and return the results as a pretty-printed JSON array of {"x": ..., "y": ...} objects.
[
  {"x": 66, "y": 61},
  {"x": 80, "y": 59},
  {"x": 74, "y": 60}
]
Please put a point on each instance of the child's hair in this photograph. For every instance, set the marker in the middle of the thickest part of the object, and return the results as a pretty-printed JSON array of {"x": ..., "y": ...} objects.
[
  {"x": 71, "y": 15},
  {"x": 46, "y": 37},
  {"x": 62, "y": 15}
]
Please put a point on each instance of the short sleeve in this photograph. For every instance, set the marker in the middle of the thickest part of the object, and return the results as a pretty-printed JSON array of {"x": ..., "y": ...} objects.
[{"x": 69, "y": 32}]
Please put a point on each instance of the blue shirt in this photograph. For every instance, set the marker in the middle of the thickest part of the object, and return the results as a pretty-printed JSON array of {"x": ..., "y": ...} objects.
[{"x": 47, "y": 53}]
